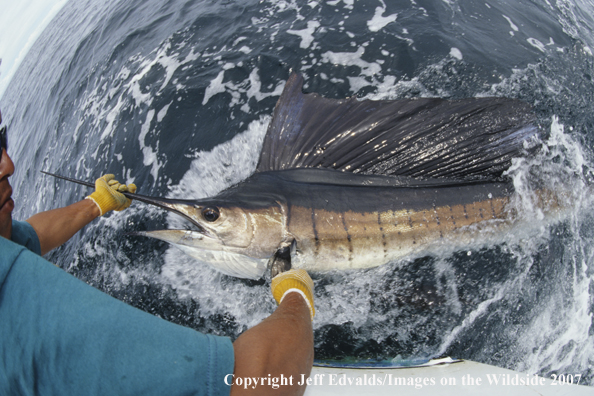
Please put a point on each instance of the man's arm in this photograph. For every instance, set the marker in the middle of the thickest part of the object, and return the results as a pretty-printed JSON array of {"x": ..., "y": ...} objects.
[
  {"x": 281, "y": 343},
  {"x": 56, "y": 226}
]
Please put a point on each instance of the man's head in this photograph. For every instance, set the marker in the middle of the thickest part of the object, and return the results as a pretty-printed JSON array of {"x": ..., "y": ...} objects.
[{"x": 6, "y": 170}]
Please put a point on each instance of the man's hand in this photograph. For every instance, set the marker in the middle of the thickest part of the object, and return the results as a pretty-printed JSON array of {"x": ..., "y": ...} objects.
[
  {"x": 297, "y": 281},
  {"x": 108, "y": 194},
  {"x": 281, "y": 344},
  {"x": 56, "y": 226}
]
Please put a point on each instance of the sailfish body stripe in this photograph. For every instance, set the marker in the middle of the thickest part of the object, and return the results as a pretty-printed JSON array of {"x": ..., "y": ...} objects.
[{"x": 368, "y": 239}]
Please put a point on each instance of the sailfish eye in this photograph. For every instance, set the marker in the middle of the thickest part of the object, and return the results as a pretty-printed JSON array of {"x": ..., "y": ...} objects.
[{"x": 210, "y": 213}]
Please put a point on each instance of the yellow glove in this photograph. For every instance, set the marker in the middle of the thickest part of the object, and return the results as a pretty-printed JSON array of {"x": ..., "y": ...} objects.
[
  {"x": 294, "y": 281},
  {"x": 107, "y": 195}
]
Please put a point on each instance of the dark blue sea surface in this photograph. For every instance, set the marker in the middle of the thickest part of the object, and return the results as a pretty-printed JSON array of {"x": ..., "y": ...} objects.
[{"x": 176, "y": 96}]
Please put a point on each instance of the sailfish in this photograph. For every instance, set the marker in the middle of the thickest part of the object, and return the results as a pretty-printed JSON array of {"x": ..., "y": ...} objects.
[{"x": 350, "y": 184}]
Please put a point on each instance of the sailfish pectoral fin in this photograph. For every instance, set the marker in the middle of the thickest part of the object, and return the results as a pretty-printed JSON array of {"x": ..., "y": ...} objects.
[
  {"x": 175, "y": 237},
  {"x": 206, "y": 250},
  {"x": 281, "y": 261}
]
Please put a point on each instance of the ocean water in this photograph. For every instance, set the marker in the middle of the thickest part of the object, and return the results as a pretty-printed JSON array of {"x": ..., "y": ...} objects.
[{"x": 176, "y": 97}]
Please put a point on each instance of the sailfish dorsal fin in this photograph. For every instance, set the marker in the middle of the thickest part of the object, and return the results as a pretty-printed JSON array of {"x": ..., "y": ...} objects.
[{"x": 464, "y": 139}]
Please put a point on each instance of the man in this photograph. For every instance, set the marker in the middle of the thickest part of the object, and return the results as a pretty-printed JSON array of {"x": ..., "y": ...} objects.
[{"x": 60, "y": 336}]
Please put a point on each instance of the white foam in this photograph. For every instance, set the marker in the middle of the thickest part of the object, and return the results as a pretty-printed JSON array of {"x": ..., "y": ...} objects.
[
  {"x": 378, "y": 22},
  {"x": 306, "y": 34},
  {"x": 111, "y": 116},
  {"x": 214, "y": 87},
  {"x": 350, "y": 301},
  {"x": 348, "y": 4},
  {"x": 456, "y": 53},
  {"x": 242, "y": 91},
  {"x": 239, "y": 40},
  {"x": 149, "y": 155},
  {"x": 511, "y": 24},
  {"x": 255, "y": 87},
  {"x": 352, "y": 59},
  {"x": 163, "y": 112},
  {"x": 536, "y": 44},
  {"x": 479, "y": 311}
]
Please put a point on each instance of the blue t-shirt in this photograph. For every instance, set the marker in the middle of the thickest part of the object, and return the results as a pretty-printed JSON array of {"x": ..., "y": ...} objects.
[
  {"x": 60, "y": 336},
  {"x": 24, "y": 234}
]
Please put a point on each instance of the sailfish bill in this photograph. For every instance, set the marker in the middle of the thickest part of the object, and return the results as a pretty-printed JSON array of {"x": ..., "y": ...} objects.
[{"x": 343, "y": 184}]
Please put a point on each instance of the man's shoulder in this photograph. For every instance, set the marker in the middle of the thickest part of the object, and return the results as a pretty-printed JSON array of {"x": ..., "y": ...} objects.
[
  {"x": 24, "y": 234},
  {"x": 11, "y": 253}
]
